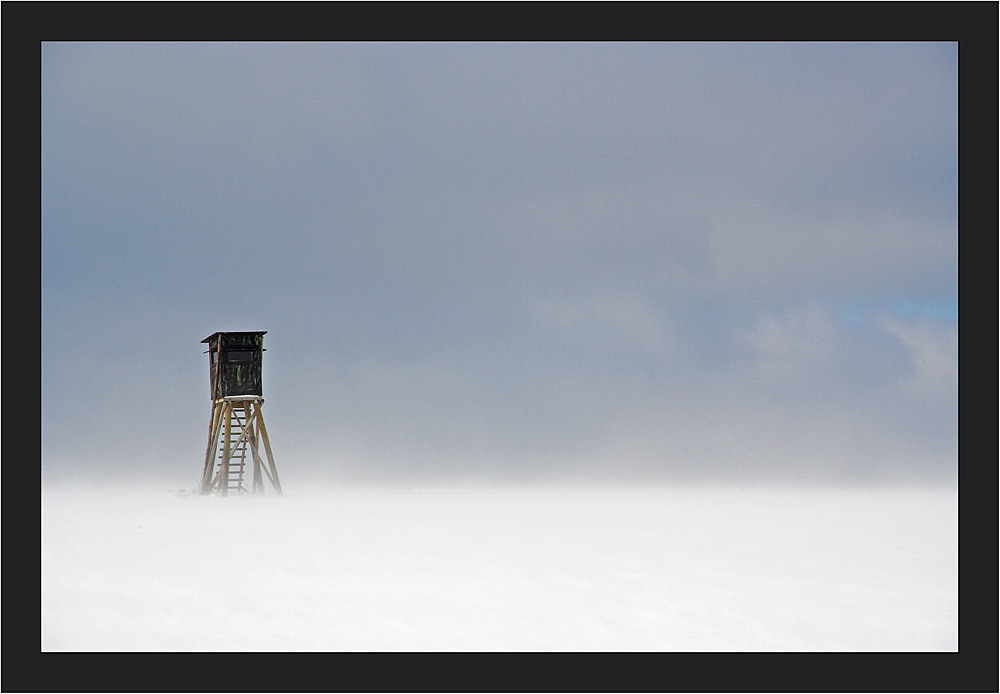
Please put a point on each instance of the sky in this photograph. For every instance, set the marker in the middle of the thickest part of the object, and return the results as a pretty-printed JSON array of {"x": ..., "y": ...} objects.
[{"x": 636, "y": 263}]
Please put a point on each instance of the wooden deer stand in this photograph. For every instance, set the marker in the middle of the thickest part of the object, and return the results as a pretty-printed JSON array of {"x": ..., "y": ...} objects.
[{"x": 237, "y": 423}]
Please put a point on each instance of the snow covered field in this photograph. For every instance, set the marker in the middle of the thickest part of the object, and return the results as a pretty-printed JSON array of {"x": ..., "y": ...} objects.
[{"x": 535, "y": 569}]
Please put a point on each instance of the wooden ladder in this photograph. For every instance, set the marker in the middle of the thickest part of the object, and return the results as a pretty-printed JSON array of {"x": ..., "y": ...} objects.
[
  {"x": 237, "y": 453},
  {"x": 237, "y": 427}
]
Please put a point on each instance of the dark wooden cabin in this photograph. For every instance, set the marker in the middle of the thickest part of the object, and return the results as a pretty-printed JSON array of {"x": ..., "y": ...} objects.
[{"x": 235, "y": 363}]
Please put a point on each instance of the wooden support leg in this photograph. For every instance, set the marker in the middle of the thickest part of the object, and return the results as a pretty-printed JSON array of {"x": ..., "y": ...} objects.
[
  {"x": 267, "y": 450},
  {"x": 253, "y": 440},
  {"x": 224, "y": 473},
  {"x": 213, "y": 442},
  {"x": 259, "y": 471}
]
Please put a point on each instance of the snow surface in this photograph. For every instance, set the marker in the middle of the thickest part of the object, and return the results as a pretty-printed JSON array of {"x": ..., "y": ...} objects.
[{"x": 501, "y": 570}]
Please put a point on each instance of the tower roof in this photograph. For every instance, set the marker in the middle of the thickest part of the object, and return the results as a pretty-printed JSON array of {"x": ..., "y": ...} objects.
[{"x": 211, "y": 337}]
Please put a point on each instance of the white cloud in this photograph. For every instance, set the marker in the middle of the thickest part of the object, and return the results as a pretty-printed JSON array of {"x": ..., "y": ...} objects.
[
  {"x": 787, "y": 344},
  {"x": 933, "y": 351}
]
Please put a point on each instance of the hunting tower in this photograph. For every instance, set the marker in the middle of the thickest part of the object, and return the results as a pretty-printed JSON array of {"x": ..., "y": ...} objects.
[{"x": 237, "y": 423}]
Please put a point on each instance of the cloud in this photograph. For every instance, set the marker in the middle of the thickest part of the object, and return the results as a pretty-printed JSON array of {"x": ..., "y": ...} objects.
[
  {"x": 932, "y": 347},
  {"x": 786, "y": 346}
]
